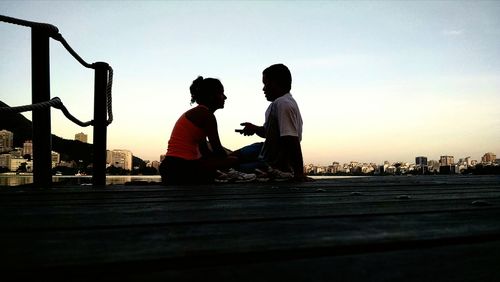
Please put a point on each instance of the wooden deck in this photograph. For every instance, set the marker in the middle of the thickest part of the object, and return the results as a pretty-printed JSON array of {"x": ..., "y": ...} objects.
[{"x": 418, "y": 228}]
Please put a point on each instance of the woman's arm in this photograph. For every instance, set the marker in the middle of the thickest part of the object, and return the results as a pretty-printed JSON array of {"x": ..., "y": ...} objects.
[
  {"x": 206, "y": 120},
  {"x": 204, "y": 149},
  {"x": 212, "y": 132}
]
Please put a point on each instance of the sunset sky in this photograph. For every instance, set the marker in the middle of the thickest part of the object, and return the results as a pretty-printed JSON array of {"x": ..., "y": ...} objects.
[{"x": 375, "y": 80}]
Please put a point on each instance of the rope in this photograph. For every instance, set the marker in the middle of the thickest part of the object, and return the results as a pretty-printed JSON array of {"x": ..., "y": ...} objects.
[
  {"x": 42, "y": 105},
  {"x": 48, "y": 27},
  {"x": 75, "y": 55},
  {"x": 54, "y": 102},
  {"x": 54, "y": 33},
  {"x": 69, "y": 116},
  {"x": 108, "y": 96}
]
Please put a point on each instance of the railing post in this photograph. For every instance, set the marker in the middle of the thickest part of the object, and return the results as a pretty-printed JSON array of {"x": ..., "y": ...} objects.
[
  {"x": 40, "y": 92},
  {"x": 100, "y": 123}
]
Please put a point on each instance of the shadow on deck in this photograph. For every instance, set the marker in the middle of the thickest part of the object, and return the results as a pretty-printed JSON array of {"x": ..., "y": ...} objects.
[{"x": 363, "y": 229}]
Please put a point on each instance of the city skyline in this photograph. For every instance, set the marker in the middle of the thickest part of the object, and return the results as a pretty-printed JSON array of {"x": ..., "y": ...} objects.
[
  {"x": 81, "y": 137},
  {"x": 488, "y": 157},
  {"x": 13, "y": 158},
  {"x": 125, "y": 155},
  {"x": 375, "y": 81}
]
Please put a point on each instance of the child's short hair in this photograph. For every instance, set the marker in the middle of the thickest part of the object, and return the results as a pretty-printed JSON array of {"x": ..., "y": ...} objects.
[{"x": 280, "y": 74}]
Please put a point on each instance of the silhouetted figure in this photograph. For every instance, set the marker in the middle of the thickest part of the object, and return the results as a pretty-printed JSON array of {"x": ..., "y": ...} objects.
[
  {"x": 282, "y": 129},
  {"x": 189, "y": 158}
]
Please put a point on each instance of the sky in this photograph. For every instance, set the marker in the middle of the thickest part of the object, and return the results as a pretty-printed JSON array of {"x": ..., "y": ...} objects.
[{"x": 374, "y": 80}]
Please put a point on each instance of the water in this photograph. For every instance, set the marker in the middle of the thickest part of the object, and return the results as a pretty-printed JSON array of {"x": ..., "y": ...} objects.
[{"x": 22, "y": 179}]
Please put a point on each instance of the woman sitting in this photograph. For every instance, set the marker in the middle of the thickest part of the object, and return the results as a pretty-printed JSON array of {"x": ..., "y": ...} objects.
[{"x": 189, "y": 158}]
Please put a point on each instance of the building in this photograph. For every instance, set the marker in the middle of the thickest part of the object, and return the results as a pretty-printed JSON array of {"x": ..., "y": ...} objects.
[
  {"x": 16, "y": 152},
  {"x": 16, "y": 163},
  {"x": 109, "y": 157},
  {"x": 310, "y": 169},
  {"x": 334, "y": 168},
  {"x": 420, "y": 164},
  {"x": 156, "y": 165},
  {"x": 446, "y": 160},
  {"x": 82, "y": 137},
  {"x": 71, "y": 164},
  {"x": 5, "y": 160},
  {"x": 468, "y": 161},
  {"x": 447, "y": 165},
  {"x": 120, "y": 159},
  {"x": 421, "y": 161},
  {"x": 28, "y": 147},
  {"x": 433, "y": 166},
  {"x": 6, "y": 141},
  {"x": 367, "y": 169},
  {"x": 488, "y": 158},
  {"x": 56, "y": 159},
  {"x": 448, "y": 169},
  {"x": 390, "y": 169}
]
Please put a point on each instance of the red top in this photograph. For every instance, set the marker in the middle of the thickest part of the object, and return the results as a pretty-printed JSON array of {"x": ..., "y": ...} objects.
[{"x": 185, "y": 139}]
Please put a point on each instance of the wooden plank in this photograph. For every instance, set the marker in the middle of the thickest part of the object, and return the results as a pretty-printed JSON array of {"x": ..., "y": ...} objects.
[
  {"x": 197, "y": 242},
  {"x": 472, "y": 262},
  {"x": 80, "y": 194},
  {"x": 93, "y": 210},
  {"x": 385, "y": 182},
  {"x": 58, "y": 196},
  {"x": 72, "y": 216},
  {"x": 92, "y": 199},
  {"x": 260, "y": 232}
]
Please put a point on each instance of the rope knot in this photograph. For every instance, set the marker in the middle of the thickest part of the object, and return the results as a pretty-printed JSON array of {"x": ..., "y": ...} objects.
[{"x": 56, "y": 103}]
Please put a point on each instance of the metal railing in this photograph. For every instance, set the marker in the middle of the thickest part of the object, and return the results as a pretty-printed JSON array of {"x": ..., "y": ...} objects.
[{"x": 41, "y": 103}]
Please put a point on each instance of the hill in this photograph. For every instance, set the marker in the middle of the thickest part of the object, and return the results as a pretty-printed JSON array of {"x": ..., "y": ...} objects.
[{"x": 69, "y": 149}]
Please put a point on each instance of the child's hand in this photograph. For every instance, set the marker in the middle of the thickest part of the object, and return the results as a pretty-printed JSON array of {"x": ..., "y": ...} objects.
[{"x": 248, "y": 129}]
